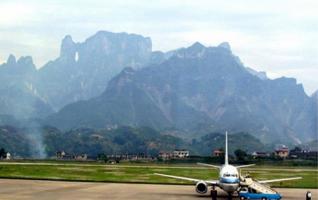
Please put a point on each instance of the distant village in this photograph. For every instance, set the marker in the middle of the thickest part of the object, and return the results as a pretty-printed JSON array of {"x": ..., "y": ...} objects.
[{"x": 178, "y": 154}]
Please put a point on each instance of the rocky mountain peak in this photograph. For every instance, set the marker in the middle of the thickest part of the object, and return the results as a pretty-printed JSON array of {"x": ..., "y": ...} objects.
[
  {"x": 11, "y": 60},
  {"x": 196, "y": 50},
  {"x": 17, "y": 69},
  {"x": 25, "y": 60},
  {"x": 84, "y": 69},
  {"x": 68, "y": 48},
  {"x": 25, "y": 64},
  {"x": 260, "y": 74},
  {"x": 225, "y": 45},
  {"x": 125, "y": 49},
  {"x": 197, "y": 46}
]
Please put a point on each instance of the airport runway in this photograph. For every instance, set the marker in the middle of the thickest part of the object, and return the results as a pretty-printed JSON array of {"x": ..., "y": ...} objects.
[{"x": 12, "y": 189}]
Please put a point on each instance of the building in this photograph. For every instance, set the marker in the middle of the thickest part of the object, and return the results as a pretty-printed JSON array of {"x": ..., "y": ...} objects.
[
  {"x": 81, "y": 157},
  {"x": 176, "y": 154},
  {"x": 282, "y": 152},
  {"x": 181, "y": 153},
  {"x": 8, "y": 156},
  {"x": 303, "y": 154},
  {"x": 130, "y": 157},
  {"x": 62, "y": 155},
  {"x": 258, "y": 154},
  {"x": 165, "y": 155}
]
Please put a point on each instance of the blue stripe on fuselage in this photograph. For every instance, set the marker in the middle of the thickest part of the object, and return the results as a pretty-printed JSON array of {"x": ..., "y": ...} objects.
[{"x": 230, "y": 180}]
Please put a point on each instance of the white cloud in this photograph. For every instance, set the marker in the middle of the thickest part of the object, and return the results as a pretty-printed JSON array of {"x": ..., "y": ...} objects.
[{"x": 13, "y": 14}]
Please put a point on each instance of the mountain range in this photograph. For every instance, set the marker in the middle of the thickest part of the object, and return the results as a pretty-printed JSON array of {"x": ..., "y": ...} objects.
[
  {"x": 115, "y": 79},
  {"x": 198, "y": 86},
  {"x": 83, "y": 69}
]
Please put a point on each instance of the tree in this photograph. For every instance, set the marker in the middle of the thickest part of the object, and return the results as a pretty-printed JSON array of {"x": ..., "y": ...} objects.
[
  {"x": 102, "y": 157},
  {"x": 240, "y": 154},
  {"x": 296, "y": 149},
  {"x": 3, "y": 153}
]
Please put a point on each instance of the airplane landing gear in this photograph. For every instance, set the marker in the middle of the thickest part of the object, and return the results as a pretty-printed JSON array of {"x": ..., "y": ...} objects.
[
  {"x": 308, "y": 195},
  {"x": 214, "y": 194},
  {"x": 230, "y": 196}
]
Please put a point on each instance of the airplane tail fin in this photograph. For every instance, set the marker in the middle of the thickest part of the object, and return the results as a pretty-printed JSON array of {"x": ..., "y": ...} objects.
[{"x": 226, "y": 162}]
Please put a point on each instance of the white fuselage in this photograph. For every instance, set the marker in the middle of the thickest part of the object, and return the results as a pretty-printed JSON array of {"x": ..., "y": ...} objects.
[{"x": 229, "y": 178}]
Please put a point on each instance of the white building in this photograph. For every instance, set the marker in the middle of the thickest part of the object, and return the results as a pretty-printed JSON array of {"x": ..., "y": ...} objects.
[
  {"x": 182, "y": 153},
  {"x": 8, "y": 157},
  {"x": 165, "y": 155}
]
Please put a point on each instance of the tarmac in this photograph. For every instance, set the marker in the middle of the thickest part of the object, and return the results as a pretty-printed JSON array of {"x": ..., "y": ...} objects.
[{"x": 14, "y": 189}]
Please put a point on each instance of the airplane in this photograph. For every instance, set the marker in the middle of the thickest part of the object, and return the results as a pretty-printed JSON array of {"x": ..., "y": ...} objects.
[{"x": 229, "y": 177}]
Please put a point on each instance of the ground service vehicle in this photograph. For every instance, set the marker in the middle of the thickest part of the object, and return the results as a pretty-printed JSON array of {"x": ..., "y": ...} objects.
[{"x": 244, "y": 195}]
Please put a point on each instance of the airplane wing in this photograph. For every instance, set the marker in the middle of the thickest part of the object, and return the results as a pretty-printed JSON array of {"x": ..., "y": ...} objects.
[
  {"x": 210, "y": 182},
  {"x": 280, "y": 180},
  {"x": 208, "y": 165},
  {"x": 242, "y": 166}
]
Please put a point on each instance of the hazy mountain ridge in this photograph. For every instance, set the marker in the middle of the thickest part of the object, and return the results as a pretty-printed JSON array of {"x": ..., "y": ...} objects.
[
  {"x": 81, "y": 72},
  {"x": 19, "y": 95},
  {"x": 198, "y": 85},
  {"x": 314, "y": 109},
  {"x": 83, "y": 69},
  {"x": 116, "y": 79}
]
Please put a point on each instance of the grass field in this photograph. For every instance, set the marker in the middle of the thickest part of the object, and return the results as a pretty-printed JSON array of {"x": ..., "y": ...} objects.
[{"x": 142, "y": 173}]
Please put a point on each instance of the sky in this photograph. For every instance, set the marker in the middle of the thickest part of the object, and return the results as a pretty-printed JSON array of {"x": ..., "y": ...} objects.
[{"x": 276, "y": 36}]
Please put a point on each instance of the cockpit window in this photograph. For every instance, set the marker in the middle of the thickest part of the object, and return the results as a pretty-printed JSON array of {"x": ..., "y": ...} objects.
[{"x": 229, "y": 175}]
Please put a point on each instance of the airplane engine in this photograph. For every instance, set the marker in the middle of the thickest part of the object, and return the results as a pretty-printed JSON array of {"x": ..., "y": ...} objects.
[{"x": 201, "y": 187}]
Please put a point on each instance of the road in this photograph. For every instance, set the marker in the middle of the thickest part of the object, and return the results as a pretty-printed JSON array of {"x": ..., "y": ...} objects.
[{"x": 13, "y": 189}]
